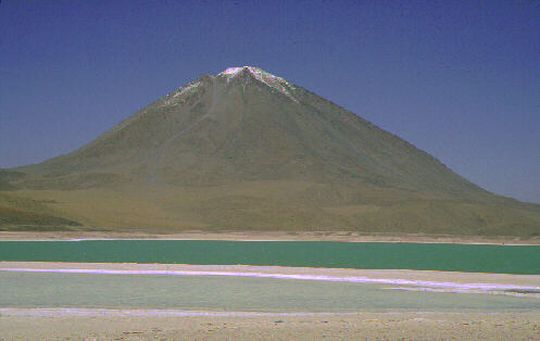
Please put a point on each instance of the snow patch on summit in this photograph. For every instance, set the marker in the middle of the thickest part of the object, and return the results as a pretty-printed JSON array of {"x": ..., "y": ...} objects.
[
  {"x": 262, "y": 76},
  {"x": 231, "y": 71}
]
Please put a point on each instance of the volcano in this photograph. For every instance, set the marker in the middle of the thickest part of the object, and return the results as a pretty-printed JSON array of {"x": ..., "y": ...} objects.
[{"x": 247, "y": 150}]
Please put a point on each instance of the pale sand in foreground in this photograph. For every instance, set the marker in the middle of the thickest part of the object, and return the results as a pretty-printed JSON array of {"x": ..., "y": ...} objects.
[
  {"x": 361, "y": 326},
  {"x": 103, "y": 324},
  {"x": 341, "y": 236}
]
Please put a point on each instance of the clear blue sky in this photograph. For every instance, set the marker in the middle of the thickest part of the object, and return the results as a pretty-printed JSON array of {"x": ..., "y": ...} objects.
[{"x": 458, "y": 79}]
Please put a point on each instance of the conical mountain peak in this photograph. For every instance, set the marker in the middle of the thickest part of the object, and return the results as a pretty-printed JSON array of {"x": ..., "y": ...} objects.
[{"x": 245, "y": 148}]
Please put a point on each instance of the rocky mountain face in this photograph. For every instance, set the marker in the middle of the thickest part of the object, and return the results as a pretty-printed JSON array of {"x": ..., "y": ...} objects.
[{"x": 245, "y": 149}]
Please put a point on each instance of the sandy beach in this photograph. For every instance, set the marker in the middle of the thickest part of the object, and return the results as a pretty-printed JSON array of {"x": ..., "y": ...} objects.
[{"x": 380, "y": 326}]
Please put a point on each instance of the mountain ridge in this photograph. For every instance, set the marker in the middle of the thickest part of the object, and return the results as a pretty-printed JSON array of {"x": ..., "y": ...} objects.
[{"x": 246, "y": 149}]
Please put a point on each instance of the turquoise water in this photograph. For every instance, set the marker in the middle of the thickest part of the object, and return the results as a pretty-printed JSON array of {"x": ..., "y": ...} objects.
[
  {"x": 449, "y": 257},
  {"x": 52, "y": 290}
]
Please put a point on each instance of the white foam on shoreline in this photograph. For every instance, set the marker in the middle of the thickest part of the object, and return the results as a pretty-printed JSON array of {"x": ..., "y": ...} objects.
[{"x": 456, "y": 287}]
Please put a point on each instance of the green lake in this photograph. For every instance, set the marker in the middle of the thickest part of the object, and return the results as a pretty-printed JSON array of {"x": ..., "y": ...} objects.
[{"x": 444, "y": 257}]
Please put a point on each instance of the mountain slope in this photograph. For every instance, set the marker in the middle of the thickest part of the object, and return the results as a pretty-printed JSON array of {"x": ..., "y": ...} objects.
[{"x": 248, "y": 150}]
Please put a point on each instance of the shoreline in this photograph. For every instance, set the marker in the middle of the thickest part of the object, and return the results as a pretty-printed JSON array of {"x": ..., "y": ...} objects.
[
  {"x": 340, "y": 236},
  {"x": 426, "y": 280},
  {"x": 46, "y": 312}
]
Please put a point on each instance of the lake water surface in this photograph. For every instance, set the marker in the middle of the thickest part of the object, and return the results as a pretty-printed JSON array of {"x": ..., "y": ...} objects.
[{"x": 417, "y": 256}]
